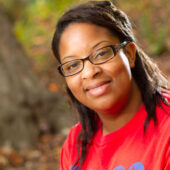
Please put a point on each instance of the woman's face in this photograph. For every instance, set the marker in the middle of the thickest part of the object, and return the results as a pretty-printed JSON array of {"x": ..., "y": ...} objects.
[{"x": 105, "y": 87}]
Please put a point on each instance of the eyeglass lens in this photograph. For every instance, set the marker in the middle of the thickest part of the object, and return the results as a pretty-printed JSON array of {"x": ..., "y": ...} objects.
[{"x": 98, "y": 57}]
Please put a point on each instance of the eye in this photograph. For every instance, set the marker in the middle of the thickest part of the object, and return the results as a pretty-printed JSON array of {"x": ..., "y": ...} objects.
[
  {"x": 103, "y": 54},
  {"x": 71, "y": 66}
]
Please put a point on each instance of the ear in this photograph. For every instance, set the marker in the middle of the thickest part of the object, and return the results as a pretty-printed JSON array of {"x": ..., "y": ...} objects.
[{"x": 130, "y": 51}]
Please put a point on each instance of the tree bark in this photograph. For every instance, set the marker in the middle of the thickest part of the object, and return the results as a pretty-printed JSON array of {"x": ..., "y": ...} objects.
[{"x": 24, "y": 102}]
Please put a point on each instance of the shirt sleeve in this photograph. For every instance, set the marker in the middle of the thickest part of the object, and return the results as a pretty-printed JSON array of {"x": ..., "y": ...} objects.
[
  {"x": 167, "y": 164},
  {"x": 64, "y": 157},
  {"x": 68, "y": 152}
]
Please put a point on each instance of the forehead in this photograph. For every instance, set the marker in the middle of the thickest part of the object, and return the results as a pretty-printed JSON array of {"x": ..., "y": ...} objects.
[{"x": 79, "y": 38}]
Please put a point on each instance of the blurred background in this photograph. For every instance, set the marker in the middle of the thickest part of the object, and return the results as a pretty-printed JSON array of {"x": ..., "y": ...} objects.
[{"x": 35, "y": 114}]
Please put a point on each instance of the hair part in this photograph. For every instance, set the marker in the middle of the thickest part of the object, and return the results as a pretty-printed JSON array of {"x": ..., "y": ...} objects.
[{"x": 146, "y": 74}]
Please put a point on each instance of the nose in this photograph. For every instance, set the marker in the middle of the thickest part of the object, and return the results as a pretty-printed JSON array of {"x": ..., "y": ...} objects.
[{"x": 90, "y": 70}]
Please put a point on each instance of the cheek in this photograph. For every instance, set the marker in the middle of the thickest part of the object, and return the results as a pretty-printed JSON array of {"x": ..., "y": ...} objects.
[
  {"x": 121, "y": 75},
  {"x": 119, "y": 70},
  {"x": 122, "y": 70},
  {"x": 74, "y": 85},
  {"x": 122, "y": 78},
  {"x": 125, "y": 62}
]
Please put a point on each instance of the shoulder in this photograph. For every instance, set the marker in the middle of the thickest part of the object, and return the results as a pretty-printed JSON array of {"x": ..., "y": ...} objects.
[
  {"x": 161, "y": 128},
  {"x": 74, "y": 131},
  {"x": 163, "y": 117},
  {"x": 72, "y": 137},
  {"x": 163, "y": 140},
  {"x": 69, "y": 148},
  {"x": 163, "y": 111}
]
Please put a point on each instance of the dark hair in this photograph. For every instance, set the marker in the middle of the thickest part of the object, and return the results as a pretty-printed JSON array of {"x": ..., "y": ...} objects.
[{"x": 146, "y": 74}]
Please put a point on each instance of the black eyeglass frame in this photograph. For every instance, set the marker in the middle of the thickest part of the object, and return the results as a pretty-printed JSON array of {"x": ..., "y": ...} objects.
[{"x": 115, "y": 49}]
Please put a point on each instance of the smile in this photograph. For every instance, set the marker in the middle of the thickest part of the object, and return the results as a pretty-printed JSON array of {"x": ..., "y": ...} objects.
[{"x": 98, "y": 89}]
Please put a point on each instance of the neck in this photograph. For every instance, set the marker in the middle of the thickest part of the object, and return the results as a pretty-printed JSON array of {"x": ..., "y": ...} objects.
[{"x": 114, "y": 121}]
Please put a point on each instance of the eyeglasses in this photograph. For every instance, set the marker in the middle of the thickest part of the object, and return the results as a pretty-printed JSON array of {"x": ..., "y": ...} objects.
[{"x": 99, "y": 56}]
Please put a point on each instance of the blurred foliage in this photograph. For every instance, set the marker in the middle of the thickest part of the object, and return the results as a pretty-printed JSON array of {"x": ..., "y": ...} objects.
[
  {"x": 156, "y": 37},
  {"x": 152, "y": 24},
  {"x": 34, "y": 23},
  {"x": 14, "y": 8}
]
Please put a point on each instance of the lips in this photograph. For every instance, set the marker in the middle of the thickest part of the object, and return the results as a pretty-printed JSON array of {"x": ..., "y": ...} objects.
[{"x": 97, "y": 89}]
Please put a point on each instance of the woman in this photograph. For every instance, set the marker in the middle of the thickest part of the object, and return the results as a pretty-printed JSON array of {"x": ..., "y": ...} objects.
[{"x": 117, "y": 90}]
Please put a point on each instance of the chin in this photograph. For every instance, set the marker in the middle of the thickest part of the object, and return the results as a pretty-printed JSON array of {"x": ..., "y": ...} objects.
[{"x": 112, "y": 107}]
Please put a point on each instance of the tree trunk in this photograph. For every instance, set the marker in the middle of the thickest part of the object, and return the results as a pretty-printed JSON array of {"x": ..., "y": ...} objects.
[{"x": 24, "y": 102}]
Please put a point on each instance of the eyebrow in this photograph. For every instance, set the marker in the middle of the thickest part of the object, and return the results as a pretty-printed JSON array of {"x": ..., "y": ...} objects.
[
  {"x": 99, "y": 43},
  {"x": 91, "y": 48}
]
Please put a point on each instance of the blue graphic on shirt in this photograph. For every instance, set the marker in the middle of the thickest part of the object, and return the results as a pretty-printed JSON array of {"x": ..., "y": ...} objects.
[
  {"x": 119, "y": 168},
  {"x": 135, "y": 166},
  {"x": 74, "y": 168}
]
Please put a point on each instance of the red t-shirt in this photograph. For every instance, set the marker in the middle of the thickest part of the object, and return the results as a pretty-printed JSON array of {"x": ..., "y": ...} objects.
[{"x": 126, "y": 148}]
